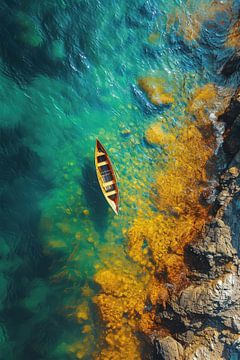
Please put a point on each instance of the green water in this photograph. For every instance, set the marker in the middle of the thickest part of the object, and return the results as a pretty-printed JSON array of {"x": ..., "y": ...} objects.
[{"x": 69, "y": 72}]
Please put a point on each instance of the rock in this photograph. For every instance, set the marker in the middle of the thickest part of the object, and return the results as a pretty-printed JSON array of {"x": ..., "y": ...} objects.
[
  {"x": 232, "y": 143},
  {"x": 209, "y": 298},
  {"x": 234, "y": 171},
  {"x": 217, "y": 301},
  {"x": 230, "y": 339},
  {"x": 232, "y": 217},
  {"x": 212, "y": 251},
  {"x": 232, "y": 111},
  {"x": 236, "y": 160},
  {"x": 231, "y": 318},
  {"x": 205, "y": 345},
  {"x": 231, "y": 66},
  {"x": 168, "y": 349},
  {"x": 229, "y": 188}
]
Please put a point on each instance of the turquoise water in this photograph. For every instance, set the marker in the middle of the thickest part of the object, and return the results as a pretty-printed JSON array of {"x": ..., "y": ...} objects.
[{"x": 69, "y": 72}]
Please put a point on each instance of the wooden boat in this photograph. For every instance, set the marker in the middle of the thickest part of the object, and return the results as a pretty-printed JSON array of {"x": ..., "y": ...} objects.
[{"x": 106, "y": 177}]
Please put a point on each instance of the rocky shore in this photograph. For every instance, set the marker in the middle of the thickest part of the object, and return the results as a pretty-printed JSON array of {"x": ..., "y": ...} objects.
[{"x": 203, "y": 320}]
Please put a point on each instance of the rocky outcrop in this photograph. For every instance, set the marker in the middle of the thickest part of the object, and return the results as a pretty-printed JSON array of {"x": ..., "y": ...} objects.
[
  {"x": 209, "y": 255},
  {"x": 204, "y": 318},
  {"x": 168, "y": 348}
]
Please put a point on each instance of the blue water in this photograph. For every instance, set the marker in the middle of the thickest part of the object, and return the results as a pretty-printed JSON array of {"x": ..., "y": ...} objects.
[{"x": 69, "y": 72}]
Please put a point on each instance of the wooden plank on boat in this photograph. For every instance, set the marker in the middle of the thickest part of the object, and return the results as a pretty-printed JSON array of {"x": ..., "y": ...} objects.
[
  {"x": 102, "y": 163},
  {"x": 108, "y": 183},
  {"x": 110, "y": 193}
]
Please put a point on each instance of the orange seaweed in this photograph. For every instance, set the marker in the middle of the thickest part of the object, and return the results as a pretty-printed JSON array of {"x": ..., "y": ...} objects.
[{"x": 157, "y": 238}]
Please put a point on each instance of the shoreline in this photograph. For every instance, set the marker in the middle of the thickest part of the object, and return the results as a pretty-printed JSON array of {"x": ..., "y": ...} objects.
[{"x": 204, "y": 318}]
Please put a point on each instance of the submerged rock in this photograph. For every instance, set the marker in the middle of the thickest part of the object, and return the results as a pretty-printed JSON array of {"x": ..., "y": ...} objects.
[{"x": 154, "y": 88}]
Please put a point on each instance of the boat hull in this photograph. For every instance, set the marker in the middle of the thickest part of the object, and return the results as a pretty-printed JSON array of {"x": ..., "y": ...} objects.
[{"x": 106, "y": 177}]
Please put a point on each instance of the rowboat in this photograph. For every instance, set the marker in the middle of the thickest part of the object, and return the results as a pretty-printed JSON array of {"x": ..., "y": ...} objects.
[{"x": 106, "y": 177}]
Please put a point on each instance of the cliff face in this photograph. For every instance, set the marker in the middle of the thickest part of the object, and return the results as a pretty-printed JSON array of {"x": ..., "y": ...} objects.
[{"x": 204, "y": 318}]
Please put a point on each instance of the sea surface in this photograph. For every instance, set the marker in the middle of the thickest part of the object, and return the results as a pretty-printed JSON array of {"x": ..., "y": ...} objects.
[{"x": 69, "y": 73}]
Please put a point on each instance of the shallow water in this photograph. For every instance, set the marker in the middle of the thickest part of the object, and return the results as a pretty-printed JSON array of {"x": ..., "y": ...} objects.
[{"x": 69, "y": 72}]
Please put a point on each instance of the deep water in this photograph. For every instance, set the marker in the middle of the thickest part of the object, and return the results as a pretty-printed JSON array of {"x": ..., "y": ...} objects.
[{"x": 69, "y": 75}]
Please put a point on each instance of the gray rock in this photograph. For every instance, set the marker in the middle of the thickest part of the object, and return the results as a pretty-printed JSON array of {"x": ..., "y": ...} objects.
[
  {"x": 231, "y": 318},
  {"x": 232, "y": 143},
  {"x": 230, "y": 339},
  {"x": 205, "y": 345},
  {"x": 236, "y": 161},
  {"x": 168, "y": 349},
  {"x": 212, "y": 297},
  {"x": 212, "y": 250},
  {"x": 231, "y": 216}
]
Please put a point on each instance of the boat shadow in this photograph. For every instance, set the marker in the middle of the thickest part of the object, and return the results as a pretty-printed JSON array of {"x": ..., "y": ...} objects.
[{"x": 98, "y": 207}]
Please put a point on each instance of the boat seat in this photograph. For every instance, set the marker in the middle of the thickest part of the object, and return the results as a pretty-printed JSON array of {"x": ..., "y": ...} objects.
[
  {"x": 102, "y": 163},
  {"x": 99, "y": 153},
  {"x": 109, "y": 183},
  {"x": 111, "y": 193}
]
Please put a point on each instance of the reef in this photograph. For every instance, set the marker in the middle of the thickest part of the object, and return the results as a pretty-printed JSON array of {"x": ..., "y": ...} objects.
[
  {"x": 155, "y": 90},
  {"x": 203, "y": 319}
]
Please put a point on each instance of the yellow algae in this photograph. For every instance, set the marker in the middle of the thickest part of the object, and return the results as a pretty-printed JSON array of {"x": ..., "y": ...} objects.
[
  {"x": 81, "y": 354},
  {"x": 90, "y": 253},
  {"x": 153, "y": 37},
  {"x": 82, "y": 312},
  {"x": 201, "y": 97},
  {"x": 87, "y": 291},
  {"x": 207, "y": 99},
  {"x": 78, "y": 235},
  {"x": 85, "y": 212},
  {"x": 121, "y": 345},
  {"x": 82, "y": 349},
  {"x": 155, "y": 90},
  {"x": 91, "y": 240},
  {"x": 86, "y": 329},
  {"x": 122, "y": 294},
  {"x": 56, "y": 244},
  {"x": 121, "y": 304},
  {"x": 64, "y": 227},
  {"x": 177, "y": 193},
  {"x": 155, "y": 135}
]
